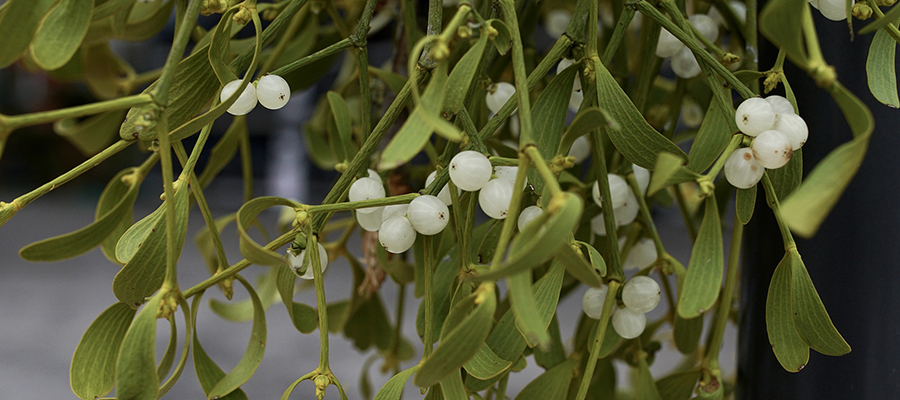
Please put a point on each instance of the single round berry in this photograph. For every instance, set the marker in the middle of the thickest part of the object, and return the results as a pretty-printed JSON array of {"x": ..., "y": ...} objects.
[
  {"x": 741, "y": 169},
  {"x": 754, "y": 116},
  {"x": 556, "y": 22},
  {"x": 396, "y": 234},
  {"x": 705, "y": 25},
  {"x": 592, "y": 301},
  {"x": 618, "y": 191},
  {"x": 642, "y": 176},
  {"x": 794, "y": 127},
  {"x": 370, "y": 221},
  {"x": 470, "y": 170},
  {"x": 575, "y": 100},
  {"x": 527, "y": 215},
  {"x": 598, "y": 225},
  {"x": 835, "y": 10},
  {"x": 581, "y": 149},
  {"x": 302, "y": 263},
  {"x": 444, "y": 194},
  {"x": 780, "y": 104},
  {"x": 498, "y": 94},
  {"x": 245, "y": 103},
  {"x": 428, "y": 215},
  {"x": 629, "y": 210},
  {"x": 273, "y": 92},
  {"x": 667, "y": 45},
  {"x": 640, "y": 294},
  {"x": 642, "y": 254},
  {"x": 566, "y": 63},
  {"x": 628, "y": 324},
  {"x": 684, "y": 64},
  {"x": 366, "y": 189},
  {"x": 509, "y": 174},
  {"x": 495, "y": 197},
  {"x": 374, "y": 175},
  {"x": 396, "y": 209},
  {"x": 772, "y": 149}
]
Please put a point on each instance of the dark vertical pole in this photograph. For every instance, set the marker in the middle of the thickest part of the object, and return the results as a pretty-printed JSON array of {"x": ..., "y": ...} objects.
[{"x": 854, "y": 260}]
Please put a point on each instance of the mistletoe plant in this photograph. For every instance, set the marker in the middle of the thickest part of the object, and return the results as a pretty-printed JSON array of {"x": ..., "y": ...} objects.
[{"x": 567, "y": 167}]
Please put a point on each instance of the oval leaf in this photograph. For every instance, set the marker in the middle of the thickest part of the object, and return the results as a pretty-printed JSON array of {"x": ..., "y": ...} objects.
[
  {"x": 61, "y": 32},
  {"x": 553, "y": 384},
  {"x": 460, "y": 78},
  {"x": 790, "y": 350},
  {"x": 245, "y": 216},
  {"x": 136, "y": 377},
  {"x": 704, "y": 273},
  {"x": 93, "y": 369},
  {"x": 18, "y": 23},
  {"x": 880, "y": 69},
  {"x": 812, "y": 320}
]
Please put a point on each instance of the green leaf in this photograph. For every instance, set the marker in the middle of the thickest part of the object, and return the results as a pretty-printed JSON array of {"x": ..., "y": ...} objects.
[
  {"x": 452, "y": 387},
  {"x": 488, "y": 245},
  {"x": 578, "y": 266},
  {"x": 486, "y": 364},
  {"x": 524, "y": 305},
  {"x": 251, "y": 250},
  {"x": 462, "y": 342},
  {"x": 393, "y": 389},
  {"x": 394, "y": 81},
  {"x": 219, "y": 51},
  {"x": 123, "y": 188},
  {"x": 790, "y": 350},
  {"x": 745, "y": 202},
  {"x": 444, "y": 275},
  {"x": 789, "y": 177},
  {"x": 645, "y": 388},
  {"x": 812, "y": 320},
  {"x": 103, "y": 70},
  {"x": 224, "y": 150},
  {"x": 679, "y": 385},
  {"x": 503, "y": 40},
  {"x": 637, "y": 140},
  {"x": 556, "y": 354},
  {"x": 552, "y": 384},
  {"x": 549, "y": 112},
  {"x": 252, "y": 355},
  {"x": 241, "y": 311},
  {"x": 144, "y": 272},
  {"x": 136, "y": 364},
  {"x": 704, "y": 273},
  {"x": 165, "y": 364},
  {"x": 60, "y": 34},
  {"x": 365, "y": 322},
  {"x": 586, "y": 121},
  {"x": 880, "y": 69},
  {"x": 208, "y": 373},
  {"x": 712, "y": 138},
  {"x": 18, "y": 22},
  {"x": 92, "y": 134},
  {"x": 890, "y": 16},
  {"x": 162, "y": 369},
  {"x": 341, "y": 114},
  {"x": 92, "y": 373},
  {"x": 779, "y": 22},
  {"x": 669, "y": 170},
  {"x": 303, "y": 316},
  {"x": 806, "y": 209},
  {"x": 687, "y": 333},
  {"x": 460, "y": 78}
]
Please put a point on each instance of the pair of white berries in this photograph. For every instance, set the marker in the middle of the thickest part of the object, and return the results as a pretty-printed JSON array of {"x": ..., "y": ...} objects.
[
  {"x": 471, "y": 171},
  {"x": 272, "y": 91},
  {"x": 624, "y": 201},
  {"x": 777, "y": 130},
  {"x": 683, "y": 62},
  {"x": 640, "y": 295}
]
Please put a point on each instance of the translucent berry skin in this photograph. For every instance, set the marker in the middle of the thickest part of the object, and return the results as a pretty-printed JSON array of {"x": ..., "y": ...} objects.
[
  {"x": 566, "y": 63},
  {"x": 618, "y": 191},
  {"x": 428, "y": 215},
  {"x": 780, "y": 104},
  {"x": 684, "y": 64},
  {"x": 667, "y": 45},
  {"x": 470, "y": 170},
  {"x": 444, "y": 194},
  {"x": 396, "y": 209},
  {"x": 366, "y": 189},
  {"x": 741, "y": 169},
  {"x": 772, "y": 149},
  {"x": 498, "y": 94},
  {"x": 705, "y": 25},
  {"x": 834, "y": 10},
  {"x": 628, "y": 324},
  {"x": 297, "y": 262},
  {"x": 754, "y": 116},
  {"x": 273, "y": 92},
  {"x": 581, "y": 149},
  {"x": 794, "y": 127},
  {"x": 592, "y": 301},
  {"x": 494, "y": 198},
  {"x": 527, "y": 215},
  {"x": 509, "y": 174},
  {"x": 642, "y": 176},
  {"x": 640, "y": 294},
  {"x": 629, "y": 210},
  {"x": 642, "y": 254},
  {"x": 370, "y": 221},
  {"x": 245, "y": 103},
  {"x": 396, "y": 234}
]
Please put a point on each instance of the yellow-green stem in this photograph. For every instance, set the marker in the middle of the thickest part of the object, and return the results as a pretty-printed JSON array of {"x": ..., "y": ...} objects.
[{"x": 602, "y": 325}]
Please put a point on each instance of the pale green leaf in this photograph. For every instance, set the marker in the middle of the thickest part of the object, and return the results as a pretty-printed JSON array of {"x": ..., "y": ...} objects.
[
  {"x": 452, "y": 387},
  {"x": 881, "y": 70},
  {"x": 553, "y": 384},
  {"x": 645, "y": 388},
  {"x": 136, "y": 364},
  {"x": 587, "y": 120},
  {"x": 790, "y": 350},
  {"x": 679, "y": 385},
  {"x": 578, "y": 266},
  {"x": 393, "y": 389},
  {"x": 712, "y": 138},
  {"x": 208, "y": 373},
  {"x": 704, "y": 274},
  {"x": 503, "y": 40},
  {"x": 810, "y": 317},
  {"x": 60, "y": 33},
  {"x": 93, "y": 369},
  {"x": 669, "y": 170},
  {"x": 524, "y": 305},
  {"x": 251, "y": 250},
  {"x": 779, "y": 21},
  {"x": 745, "y": 202},
  {"x": 92, "y": 134},
  {"x": 460, "y": 78},
  {"x": 18, "y": 23},
  {"x": 252, "y": 355},
  {"x": 597, "y": 261},
  {"x": 341, "y": 114},
  {"x": 549, "y": 112},
  {"x": 686, "y": 333}
]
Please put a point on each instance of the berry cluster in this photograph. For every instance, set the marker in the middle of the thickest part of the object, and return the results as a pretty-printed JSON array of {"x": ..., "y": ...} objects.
[
  {"x": 272, "y": 91},
  {"x": 777, "y": 131},
  {"x": 683, "y": 62},
  {"x": 640, "y": 295},
  {"x": 625, "y": 203}
]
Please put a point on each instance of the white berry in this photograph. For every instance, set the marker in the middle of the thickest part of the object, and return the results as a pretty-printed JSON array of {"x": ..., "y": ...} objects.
[
  {"x": 780, "y": 104},
  {"x": 575, "y": 100},
  {"x": 396, "y": 234},
  {"x": 428, "y": 215},
  {"x": 741, "y": 169},
  {"x": 667, "y": 45},
  {"x": 300, "y": 262},
  {"x": 444, "y": 194},
  {"x": 396, "y": 209},
  {"x": 642, "y": 176},
  {"x": 498, "y": 94},
  {"x": 374, "y": 175},
  {"x": 642, "y": 254},
  {"x": 273, "y": 91},
  {"x": 495, "y": 197},
  {"x": 566, "y": 63},
  {"x": 618, "y": 191},
  {"x": 581, "y": 149},
  {"x": 628, "y": 211},
  {"x": 835, "y": 10},
  {"x": 556, "y": 22},
  {"x": 598, "y": 225},
  {"x": 470, "y": 170},
  {"x": 640, "y": 294},
  {"x": 593, "y": 300},
  {"x": 684, "y": 64},
  {"x": 794, "y": 127},
  {"x": 366, "y": 189},
  {"x": 772, "y": 149},
  {"x": 370, "y": 221},
  {"x": 509, "y": 174},
  {"x": 245, "y": 103},
  {"x": 527, "y": 215},
  {"x": 628, "y": 324},
  {"x": 754, "y": 116},
  {"x": 705, "y": 25}
]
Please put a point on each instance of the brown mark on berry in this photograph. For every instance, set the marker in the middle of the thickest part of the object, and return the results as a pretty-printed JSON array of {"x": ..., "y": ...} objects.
[
  {"x": 281, "y": 96},
  {"x": 748, "y": 156},
  {"x": 441, "y": 216},
  {"x": 745, "y": 119}
]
